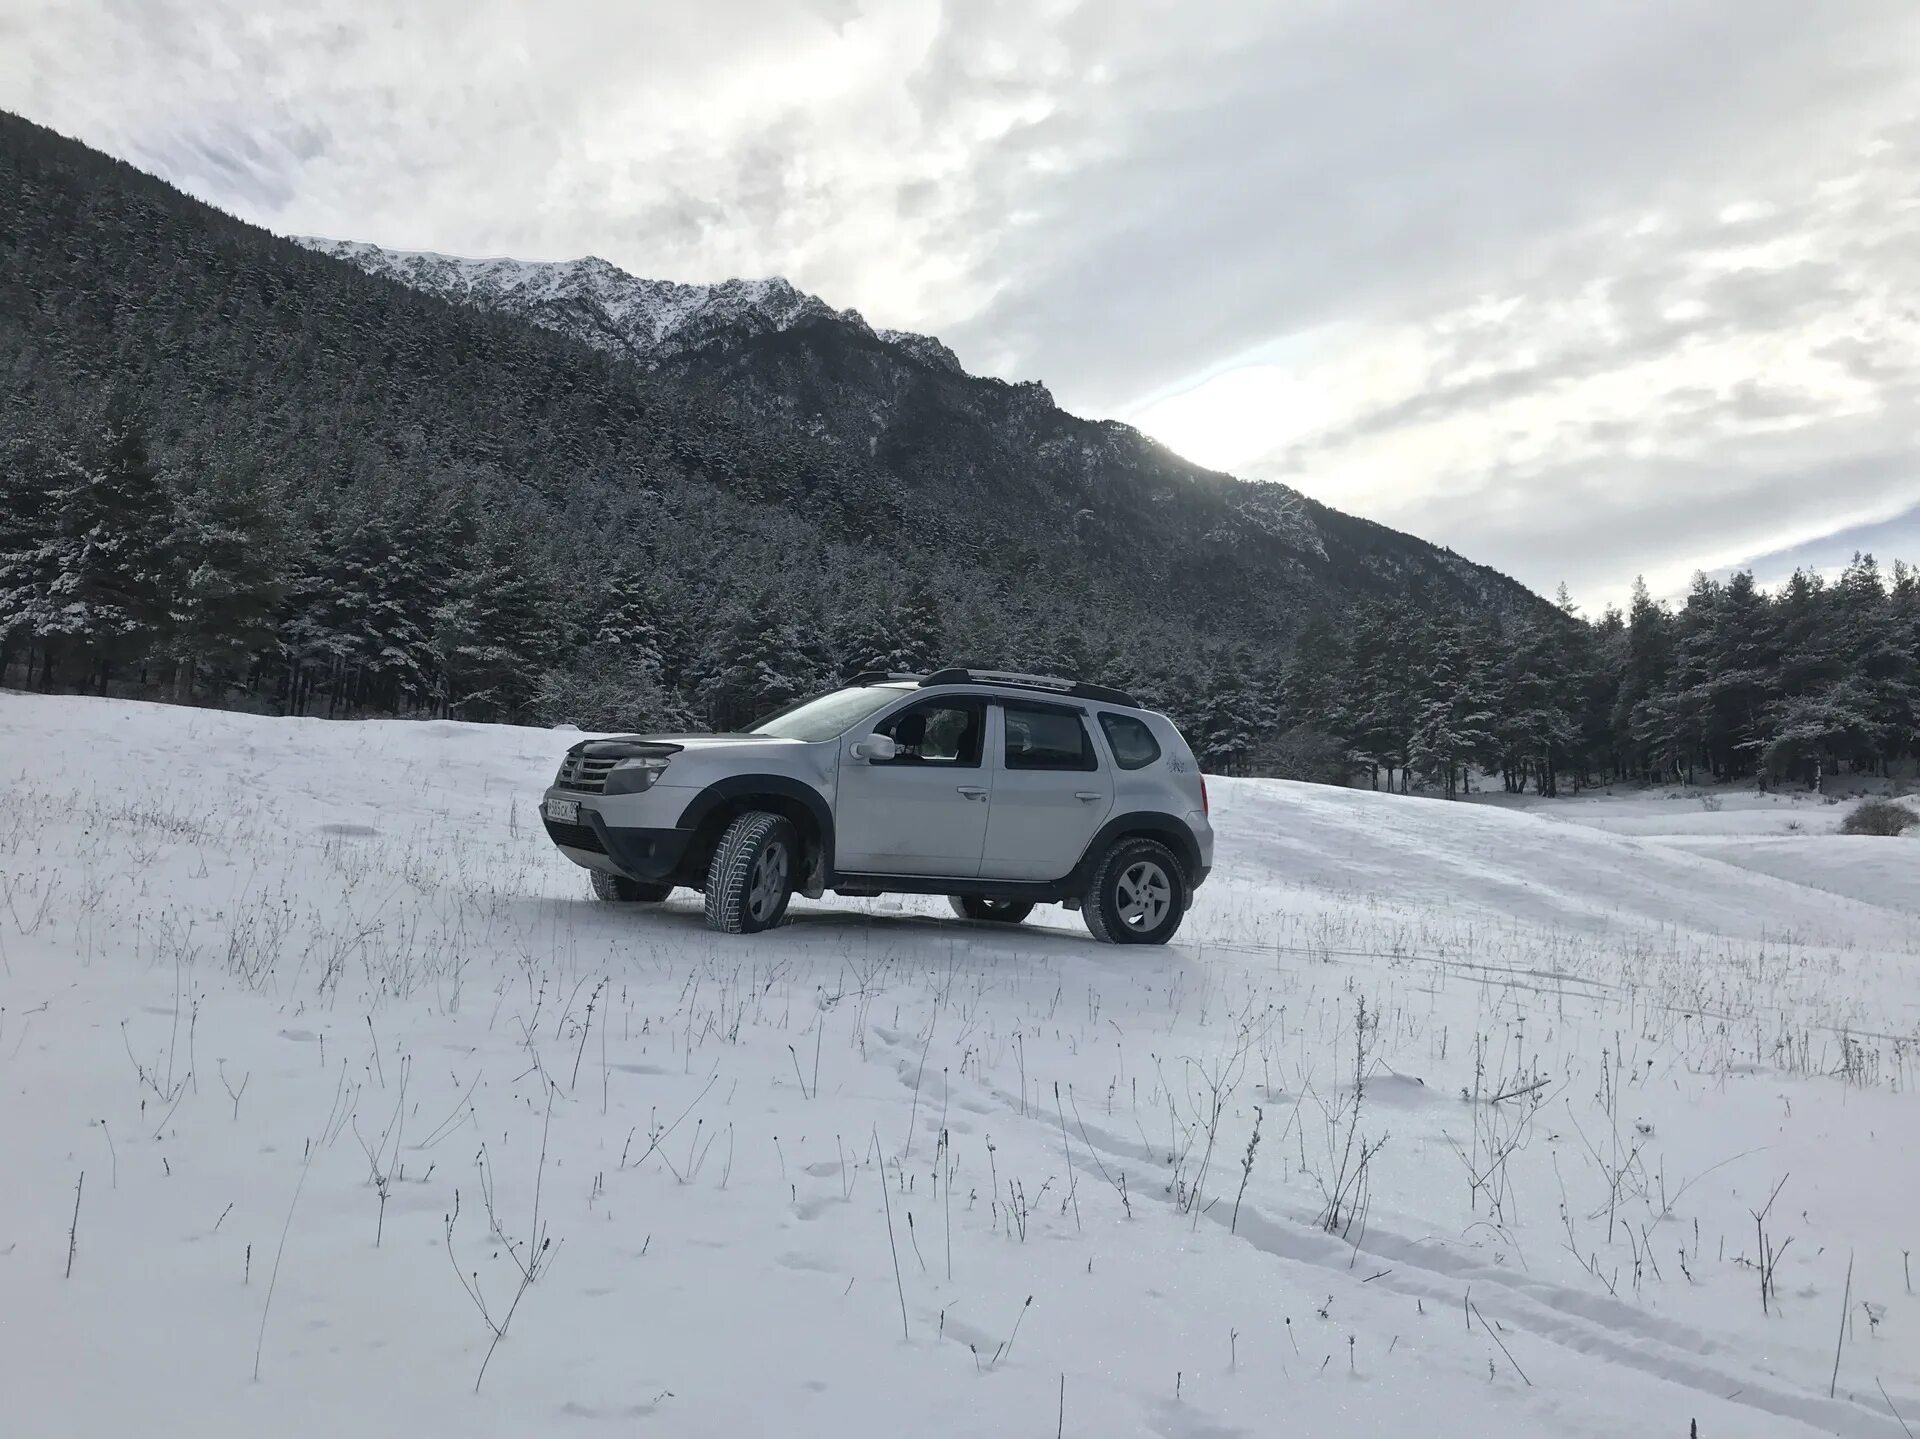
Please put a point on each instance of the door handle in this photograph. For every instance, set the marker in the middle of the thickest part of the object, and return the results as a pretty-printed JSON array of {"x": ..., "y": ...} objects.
[
  {"x": 1089, "y": 795},
  {"x": 973, "y": 791}
]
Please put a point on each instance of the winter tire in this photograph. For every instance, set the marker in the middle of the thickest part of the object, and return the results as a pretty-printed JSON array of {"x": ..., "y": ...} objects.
[
  {"x": 750, "y": 878},
  {"x": 1138, "y": 894},
  {"x": 999, "y": 911},
  {"x": 620, "y": 889}
]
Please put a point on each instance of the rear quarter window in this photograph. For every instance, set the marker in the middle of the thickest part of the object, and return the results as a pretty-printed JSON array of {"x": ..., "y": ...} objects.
[{"x": 1133, "y": 744}]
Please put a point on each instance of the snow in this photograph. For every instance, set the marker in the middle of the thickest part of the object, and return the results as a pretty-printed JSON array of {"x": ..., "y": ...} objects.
[
  {"x": 249, "y": 964},
  {"x": 650, "y": 319}
]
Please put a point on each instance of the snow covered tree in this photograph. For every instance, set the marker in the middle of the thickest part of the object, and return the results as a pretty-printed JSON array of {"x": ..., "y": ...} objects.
[
  {"x": 1316, "y": 678},
  {"x": 1382, "y": 704},
  {"x": 360, "y": 619},
  {"x": 1454, "y": 720},
  {"x": 494, "y": 634},
  {"x": 902, "y": 632},
  {"x": 760, "y": 662},
  {"x": 109, "y": 594},
  {"x": 1531, "y": 696},
  {"x": 608, "y": 690},
  {"x": 1229, "y": 716},
  {"x": 624, "y": 617},
  {"x": 226, "y": 585},
  {"x": 1885, "y": 672},
  {"x": 29, "y": 527},
  {"x": 1640, "y": 721}
]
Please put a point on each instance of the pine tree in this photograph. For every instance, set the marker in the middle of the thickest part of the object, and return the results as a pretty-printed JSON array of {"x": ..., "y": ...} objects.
[
  {"x": 1603, "y": 666},
  {"x": 1381, "y": 707},
  {"x": 1881, "y": 670},
  {"x": 226, "y": 586},
  {"x": 1641, "y": 721},
  {"x": 109, "y": 595},
  {"x": 1535, "y": 730},
  {"x": 29, "y": 529},
  {"x": 1229, "y": 717},
  {"x": 758, "y": 664},
  {"x": 624, "y": 617},
  {"x": 900, "y": 634},
  {"x": 494, "y": 634},
  {"x": 1802, "y": 722},
  {"x": 1454, "y": 721},
  {"x": 361, "y": 618},
  {"x": 1316, "y": 677},
  {"x": 1742, "y": 657},
  {"x": 609, "y": 691}
]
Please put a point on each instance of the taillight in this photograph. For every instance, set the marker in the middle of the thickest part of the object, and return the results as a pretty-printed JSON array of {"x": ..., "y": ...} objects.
[{"x": 1204, "y": 807}]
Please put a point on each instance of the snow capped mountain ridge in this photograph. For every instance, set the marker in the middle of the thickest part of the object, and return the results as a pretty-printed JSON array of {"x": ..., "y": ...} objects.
[{"x": 596, "y": 301}]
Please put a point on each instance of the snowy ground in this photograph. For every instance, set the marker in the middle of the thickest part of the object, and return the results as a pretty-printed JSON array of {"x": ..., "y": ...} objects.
[{"x": 345, "y": 1052}]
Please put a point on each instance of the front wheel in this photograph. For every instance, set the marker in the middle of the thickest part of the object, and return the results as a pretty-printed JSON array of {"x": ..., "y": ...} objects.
[
  {"x": 1138, "y": 894},
  {"x": 1000, "y": 911},
  {"x": 750, "y": 877},
  {"x": 620, "y": 889}
]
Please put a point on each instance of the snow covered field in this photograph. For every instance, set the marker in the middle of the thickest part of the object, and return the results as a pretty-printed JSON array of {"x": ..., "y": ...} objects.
[{"x": 1441, "y": 1120}]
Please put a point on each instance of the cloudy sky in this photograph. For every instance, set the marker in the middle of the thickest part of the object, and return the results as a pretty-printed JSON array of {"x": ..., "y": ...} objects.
[{"x": 1582, "y": 289}]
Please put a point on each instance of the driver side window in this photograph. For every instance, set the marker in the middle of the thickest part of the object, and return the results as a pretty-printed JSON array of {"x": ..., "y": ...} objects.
[{"x": 945, "y": 732}]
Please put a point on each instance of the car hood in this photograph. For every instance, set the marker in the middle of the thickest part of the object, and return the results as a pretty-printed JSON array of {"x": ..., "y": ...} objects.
[{"x": 638, "y": 746}]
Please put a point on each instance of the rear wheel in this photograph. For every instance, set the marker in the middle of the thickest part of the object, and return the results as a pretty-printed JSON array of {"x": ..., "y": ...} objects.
[
  {"x": 620, "y": 889},
  {"x": 750, "y": 877},
  {"x": 1000, "y": 911},
  {"x": 1138, "y": 894}
]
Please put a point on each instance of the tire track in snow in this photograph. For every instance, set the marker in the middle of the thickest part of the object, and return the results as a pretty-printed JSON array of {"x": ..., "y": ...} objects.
[{"x": 1592, "y": 1325}]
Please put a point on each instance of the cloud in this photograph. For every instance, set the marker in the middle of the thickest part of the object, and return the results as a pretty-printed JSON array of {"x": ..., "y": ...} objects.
[{"x": 1580, "y": 289}]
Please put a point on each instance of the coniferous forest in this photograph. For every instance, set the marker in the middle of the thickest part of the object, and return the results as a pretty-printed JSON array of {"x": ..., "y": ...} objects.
[{"x": 233, "y": 472}]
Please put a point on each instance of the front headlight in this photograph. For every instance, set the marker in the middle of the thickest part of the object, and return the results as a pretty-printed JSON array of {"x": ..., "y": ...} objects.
[{"x": 635, "y": 776}]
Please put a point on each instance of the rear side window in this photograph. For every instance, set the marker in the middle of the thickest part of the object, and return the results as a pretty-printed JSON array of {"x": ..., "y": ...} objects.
[
  {"x": 1134, "y": 746},
  {"x": 1044, "y": 738}
]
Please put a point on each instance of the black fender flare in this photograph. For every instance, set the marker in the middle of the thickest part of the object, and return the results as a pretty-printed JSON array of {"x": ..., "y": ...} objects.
[
  {"x": 1153, "y": 824},
  {"x": 729, "y": 792}
]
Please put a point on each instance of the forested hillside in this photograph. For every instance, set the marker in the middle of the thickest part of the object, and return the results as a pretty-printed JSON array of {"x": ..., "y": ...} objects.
[
  {"x": 243, "y": 473},
  {"x": 434, "y": 508},
  {"x": 1733, "y": 683}
]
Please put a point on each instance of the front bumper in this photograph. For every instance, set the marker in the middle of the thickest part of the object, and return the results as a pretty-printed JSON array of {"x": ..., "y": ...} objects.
[{"x": 652, "y": 855}]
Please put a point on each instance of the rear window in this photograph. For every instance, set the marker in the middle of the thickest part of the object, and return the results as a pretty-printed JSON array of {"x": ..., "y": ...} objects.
[
  {"x": 1040, "y": 738},
  {"x": 1134, "y": 746}
]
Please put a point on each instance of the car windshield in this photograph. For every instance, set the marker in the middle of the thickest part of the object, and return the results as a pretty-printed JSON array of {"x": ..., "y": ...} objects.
[{"x": 826, "y": 716}]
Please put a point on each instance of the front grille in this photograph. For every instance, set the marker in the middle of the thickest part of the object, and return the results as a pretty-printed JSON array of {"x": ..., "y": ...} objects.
[
  {"x": 584, "y": 773},
  {"x": 574, "y": 836}
]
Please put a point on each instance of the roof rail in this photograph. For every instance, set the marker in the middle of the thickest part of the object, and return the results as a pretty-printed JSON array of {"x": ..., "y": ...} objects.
[
  {"x": 1051, "y": 684},
  {"x": 876, "y": 677}
]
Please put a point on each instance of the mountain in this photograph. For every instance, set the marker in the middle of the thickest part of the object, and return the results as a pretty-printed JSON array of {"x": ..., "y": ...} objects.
[
  {"x": 595, "y": 302},
  {"x": 766, "y": 351},
  {"x": 738, "y": 484}
]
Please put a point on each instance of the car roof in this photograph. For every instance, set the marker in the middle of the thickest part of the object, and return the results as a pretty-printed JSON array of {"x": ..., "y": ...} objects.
[
  {"x": 1033, "y": 694},
  {"x": 1001, "y": 681}
]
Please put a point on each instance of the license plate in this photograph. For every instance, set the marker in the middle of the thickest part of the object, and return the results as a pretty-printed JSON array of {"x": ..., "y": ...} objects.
[{"x": 565, "y": 810}]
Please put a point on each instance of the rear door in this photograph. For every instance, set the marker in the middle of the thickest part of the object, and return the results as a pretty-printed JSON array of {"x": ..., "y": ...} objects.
[
  {"x": 923, "y": 812},
  {"x": 1051, "y": 792}
]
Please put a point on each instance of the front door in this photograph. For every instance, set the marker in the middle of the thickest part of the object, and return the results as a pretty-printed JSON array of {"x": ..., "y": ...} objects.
[
  {"x": 924, "y": 811},
  {"x": 1050, "y": 793}
]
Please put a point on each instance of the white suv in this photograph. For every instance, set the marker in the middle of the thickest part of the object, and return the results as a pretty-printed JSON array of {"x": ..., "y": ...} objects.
[{"x": 1000, "y": 791}]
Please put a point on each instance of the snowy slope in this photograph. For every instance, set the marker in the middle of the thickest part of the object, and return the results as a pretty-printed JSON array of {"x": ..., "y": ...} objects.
[
  {"x": 1791, "y": 835},
  {"x": 601, "y": 304},
  {"x": 339, "y": 1044}
]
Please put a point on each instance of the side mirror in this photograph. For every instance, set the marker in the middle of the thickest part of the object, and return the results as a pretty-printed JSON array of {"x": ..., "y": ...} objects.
[{"x": 874, "y": 749}]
